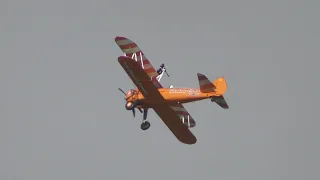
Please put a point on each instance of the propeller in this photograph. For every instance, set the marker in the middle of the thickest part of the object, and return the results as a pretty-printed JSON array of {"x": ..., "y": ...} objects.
[
  {"x": 125, "y": 94},
  {"x": 122, "y": 91},
  {"x": 133, "y": 109}
]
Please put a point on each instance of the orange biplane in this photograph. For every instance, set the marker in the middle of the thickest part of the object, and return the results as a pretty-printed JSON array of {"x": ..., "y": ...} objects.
[{"x": 166, "y": 102}]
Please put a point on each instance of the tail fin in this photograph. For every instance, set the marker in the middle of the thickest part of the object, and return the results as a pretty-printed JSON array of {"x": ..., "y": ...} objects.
[
  {"x": 205, "y": 85},
  {"x": 218, "y": 86}
]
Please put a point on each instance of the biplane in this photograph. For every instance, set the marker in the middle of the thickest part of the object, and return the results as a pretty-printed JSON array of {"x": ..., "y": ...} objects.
[{"x": 166, "y": 102}]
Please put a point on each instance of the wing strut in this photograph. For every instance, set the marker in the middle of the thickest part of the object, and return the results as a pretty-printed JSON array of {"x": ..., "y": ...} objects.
[
  {"x": 135, "y": 57},
  {"x": 132, "y": 50},
  {"x": 160, "y": 71}
]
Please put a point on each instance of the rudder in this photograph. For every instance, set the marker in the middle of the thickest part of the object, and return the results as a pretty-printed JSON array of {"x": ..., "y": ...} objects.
[{"x": 221, "y": 85}]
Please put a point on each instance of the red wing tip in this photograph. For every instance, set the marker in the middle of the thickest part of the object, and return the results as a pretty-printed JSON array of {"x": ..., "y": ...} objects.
[
  {"x": 191, "y": 141},
  {"x": 188, "y": 137},
  {"x": 119, "y": 38}
]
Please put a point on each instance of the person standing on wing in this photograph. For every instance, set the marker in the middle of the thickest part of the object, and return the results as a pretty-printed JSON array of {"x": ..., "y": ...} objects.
[{"x": 159, "y": 71}]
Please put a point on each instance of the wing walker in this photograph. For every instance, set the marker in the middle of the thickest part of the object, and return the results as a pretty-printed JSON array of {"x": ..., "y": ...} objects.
[{"x": 166, "y": 102}]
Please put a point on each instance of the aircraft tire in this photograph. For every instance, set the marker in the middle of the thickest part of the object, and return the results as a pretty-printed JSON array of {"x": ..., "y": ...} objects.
[{"x": 145, "y": 125}]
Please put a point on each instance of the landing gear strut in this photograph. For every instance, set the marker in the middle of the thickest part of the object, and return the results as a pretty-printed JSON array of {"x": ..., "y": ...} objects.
[
  {"x": 145, "y": 124},
  {"x": 131, "y": 105}
]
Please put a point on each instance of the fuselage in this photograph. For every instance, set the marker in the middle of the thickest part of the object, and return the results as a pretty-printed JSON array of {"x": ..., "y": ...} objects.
[
  {"x": 170, "y": 95},
  {"x": 182, "y": 95}
]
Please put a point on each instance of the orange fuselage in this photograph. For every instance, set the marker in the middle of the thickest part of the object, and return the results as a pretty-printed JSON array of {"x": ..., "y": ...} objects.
[{"x": 170, "y": 95}]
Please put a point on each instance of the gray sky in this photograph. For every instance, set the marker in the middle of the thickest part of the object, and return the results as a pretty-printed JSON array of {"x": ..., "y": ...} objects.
[{"x": 62, "y": 116}]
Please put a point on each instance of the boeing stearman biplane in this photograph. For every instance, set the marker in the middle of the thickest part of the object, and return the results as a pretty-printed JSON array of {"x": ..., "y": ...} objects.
[{"x": 166, "y": 102}]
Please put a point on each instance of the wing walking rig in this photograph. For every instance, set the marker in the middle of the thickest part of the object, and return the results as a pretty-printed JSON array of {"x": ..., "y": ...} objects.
[
  {"x": 166, "y": 102},
  {"x": 132, "y": 50}
]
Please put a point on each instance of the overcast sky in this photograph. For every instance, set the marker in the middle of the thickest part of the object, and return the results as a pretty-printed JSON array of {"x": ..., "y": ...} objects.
[{"x": 62, "y": 117}]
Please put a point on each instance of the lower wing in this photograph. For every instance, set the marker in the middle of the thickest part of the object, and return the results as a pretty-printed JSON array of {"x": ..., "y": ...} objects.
[
  {"x": 172, "y": 120},
  {"x": 184, "y": 116}
]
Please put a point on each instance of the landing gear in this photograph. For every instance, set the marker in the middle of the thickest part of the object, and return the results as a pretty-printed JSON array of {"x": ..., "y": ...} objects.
[
  {"x": 145, "y": 124},
  {"x": 131, "y": 105}
]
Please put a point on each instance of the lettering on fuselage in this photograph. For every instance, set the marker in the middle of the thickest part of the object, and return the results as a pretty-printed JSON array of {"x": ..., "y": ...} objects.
[
  {"x": 136, "y": 79},
  {"x": 192, "y": 92}
]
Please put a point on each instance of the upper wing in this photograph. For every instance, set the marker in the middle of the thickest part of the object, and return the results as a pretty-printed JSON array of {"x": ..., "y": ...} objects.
[
  {"x": 131, "y": 49},
  {"x": 140, "y": 78},
  {"x": 173, "y": 122}
]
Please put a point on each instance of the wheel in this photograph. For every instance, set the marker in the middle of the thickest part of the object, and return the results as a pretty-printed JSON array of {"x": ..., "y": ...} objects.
[
  {"x": 145, "y": 125},
  {"x": 129, "y": 105}
]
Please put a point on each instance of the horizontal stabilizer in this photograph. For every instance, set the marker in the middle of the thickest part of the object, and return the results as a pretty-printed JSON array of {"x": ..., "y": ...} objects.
[{"x": 220, "y": 101}]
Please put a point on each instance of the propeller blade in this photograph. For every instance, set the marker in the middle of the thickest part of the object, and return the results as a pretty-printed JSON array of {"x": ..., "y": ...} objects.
[
  {"x": 122, "y": 91},
  {"x": 134, "y": 112}
]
